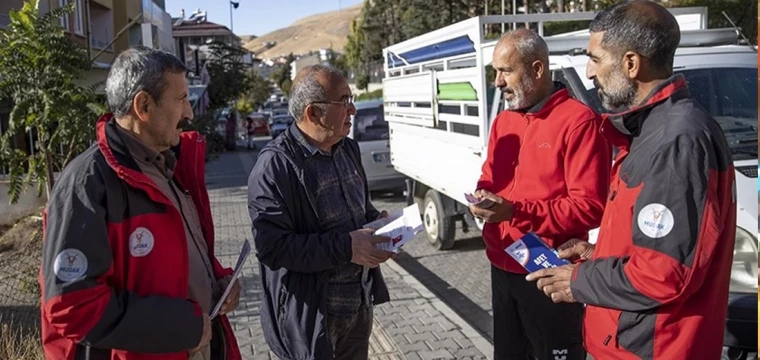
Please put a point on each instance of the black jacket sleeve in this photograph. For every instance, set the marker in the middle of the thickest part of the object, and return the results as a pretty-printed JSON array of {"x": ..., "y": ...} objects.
[
  {"x": 677, "y": 221},
  {"x": 272, "y": 206}
]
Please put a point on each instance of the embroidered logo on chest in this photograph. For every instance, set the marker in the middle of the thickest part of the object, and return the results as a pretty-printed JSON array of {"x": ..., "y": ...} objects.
[
  {"x": 70, "y": 265},
  {"x": 141, "y": 242},
  {"x": 655, "y": 220}
]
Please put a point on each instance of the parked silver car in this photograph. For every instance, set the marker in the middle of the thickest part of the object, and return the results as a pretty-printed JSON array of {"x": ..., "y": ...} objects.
[{"x": 370, "y": 130}]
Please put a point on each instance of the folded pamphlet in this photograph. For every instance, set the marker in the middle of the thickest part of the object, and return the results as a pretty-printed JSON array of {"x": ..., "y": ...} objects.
[
  {"x": 534, "y": 254},
  {"x": 400, "y": 225},
  {"x": 244, "y": 252},
  {"x": 482, "y": 203}
]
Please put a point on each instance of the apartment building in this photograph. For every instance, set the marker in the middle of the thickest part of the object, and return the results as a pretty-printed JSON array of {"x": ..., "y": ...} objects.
[
  {"x": 103, "y": 27},
  {"x": 193, "y": 34}
]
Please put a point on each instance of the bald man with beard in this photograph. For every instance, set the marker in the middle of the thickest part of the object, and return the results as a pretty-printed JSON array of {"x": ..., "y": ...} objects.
[{"x": 547, "y": 171}]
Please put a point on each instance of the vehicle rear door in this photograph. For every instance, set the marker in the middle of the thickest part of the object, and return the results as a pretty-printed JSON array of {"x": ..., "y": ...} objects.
[{"x": 372, "y": 134}]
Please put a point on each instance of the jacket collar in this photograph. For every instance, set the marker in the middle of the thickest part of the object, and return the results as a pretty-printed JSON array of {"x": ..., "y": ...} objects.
[
  {"x": 308, "y": 148},
  {"x": 117, "y": 155},
  {"x": 620, "y": 127},
  {"x": 559, "y": 95}
]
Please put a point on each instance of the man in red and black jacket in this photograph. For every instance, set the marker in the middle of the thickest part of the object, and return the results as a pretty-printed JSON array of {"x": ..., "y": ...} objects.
[
  {"x": 128, "y": 267},
  {"x": 547, "y": 171},
  {"x": 656, "y": 283}
]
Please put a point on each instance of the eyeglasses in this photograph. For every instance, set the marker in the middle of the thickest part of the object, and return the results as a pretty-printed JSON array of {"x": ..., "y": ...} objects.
[{"x": 348, "y": 101}]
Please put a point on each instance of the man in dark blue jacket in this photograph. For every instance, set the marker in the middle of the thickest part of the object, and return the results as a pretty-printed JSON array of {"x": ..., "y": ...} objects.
[{"x": 308, "y": 200}]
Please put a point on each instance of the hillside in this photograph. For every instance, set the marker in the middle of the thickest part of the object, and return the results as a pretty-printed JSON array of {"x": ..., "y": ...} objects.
[{"x": 308, "y": 34}]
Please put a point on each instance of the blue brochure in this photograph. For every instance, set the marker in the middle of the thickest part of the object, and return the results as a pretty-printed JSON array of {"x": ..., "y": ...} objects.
[{"x": 534, "y": 254}]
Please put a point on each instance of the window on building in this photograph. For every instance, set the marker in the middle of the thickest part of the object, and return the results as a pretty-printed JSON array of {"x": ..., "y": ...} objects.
[
  {"x": 78, "y": 21},
  {"x": 63, "y": 20}
]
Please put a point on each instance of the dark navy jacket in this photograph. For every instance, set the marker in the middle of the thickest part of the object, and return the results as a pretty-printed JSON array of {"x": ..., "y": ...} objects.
[{"x": 295, "y": 257}]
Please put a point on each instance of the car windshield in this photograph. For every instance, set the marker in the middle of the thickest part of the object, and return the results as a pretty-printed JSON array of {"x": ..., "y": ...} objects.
[
  {"x": 370, "y": 124},
  {"x": 730, "y": 95},
  {"x": 282, "y": 119}
]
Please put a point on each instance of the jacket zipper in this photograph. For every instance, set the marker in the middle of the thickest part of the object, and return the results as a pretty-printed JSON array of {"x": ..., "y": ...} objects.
[
  {"x": 187, "y": 224},
  {"x": 519, "y": 151}
]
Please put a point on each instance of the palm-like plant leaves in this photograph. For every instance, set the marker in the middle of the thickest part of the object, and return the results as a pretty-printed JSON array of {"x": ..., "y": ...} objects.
[{"x": 39, "y": 66}]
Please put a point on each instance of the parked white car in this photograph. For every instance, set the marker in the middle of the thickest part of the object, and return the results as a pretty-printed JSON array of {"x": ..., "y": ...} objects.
[{"x": 370, "y": 130}]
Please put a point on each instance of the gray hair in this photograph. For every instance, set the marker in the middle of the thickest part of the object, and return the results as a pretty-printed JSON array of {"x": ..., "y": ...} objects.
[
  {"x": 529, "y": 46},
  {"x": 138, "y": 69},
  {"x": 642, "y": 27},
  {"x": 307, "y": 89}
]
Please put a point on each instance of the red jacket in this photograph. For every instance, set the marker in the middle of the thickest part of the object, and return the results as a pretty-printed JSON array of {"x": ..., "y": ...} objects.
[
  {"x": 114, "y": 268},
  {"x": 553, "y": 165},
  {"x": 657, "y": 285}
]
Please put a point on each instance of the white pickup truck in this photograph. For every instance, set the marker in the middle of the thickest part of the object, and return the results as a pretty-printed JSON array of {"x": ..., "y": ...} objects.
[{"x": 439, "y": 107}]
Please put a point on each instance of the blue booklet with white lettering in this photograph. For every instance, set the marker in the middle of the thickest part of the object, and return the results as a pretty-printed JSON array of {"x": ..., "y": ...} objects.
[{"x": 534, "y": 254}]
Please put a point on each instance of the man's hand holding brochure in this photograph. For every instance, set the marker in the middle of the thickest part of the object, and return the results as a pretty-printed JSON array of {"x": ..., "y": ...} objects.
[
  {"x": 550, "y": 267},
  {"x": 534, "y": 254},
  {"x": 244, "y": 252},
  {"x": 400, "y": 226}
]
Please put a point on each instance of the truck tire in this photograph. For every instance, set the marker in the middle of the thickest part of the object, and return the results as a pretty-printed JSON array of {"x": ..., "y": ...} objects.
[{"x": 440, "y": 229}]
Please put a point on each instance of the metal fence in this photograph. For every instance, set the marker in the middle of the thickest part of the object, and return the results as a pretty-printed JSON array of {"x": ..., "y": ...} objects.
[{"x": 20, "y": 259}]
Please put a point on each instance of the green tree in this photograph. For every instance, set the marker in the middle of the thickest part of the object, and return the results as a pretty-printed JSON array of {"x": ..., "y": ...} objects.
[
  {"x": 362, "y": 82},
  {"x": 260, "y": 89},
  {"x": 337, "y": 60},
  {"x": 285, "y": 86},
  {"x": 227, "y": 73},
  {"x": 354, "y": 45},
  {"x": 39, "y": 66}
]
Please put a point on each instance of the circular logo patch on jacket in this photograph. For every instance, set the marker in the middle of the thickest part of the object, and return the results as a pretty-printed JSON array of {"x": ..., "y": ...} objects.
[
  {"x": 141, "y": 242},
  {"x": 70, "y": 265},
  {"x": 655, "y": 220}
]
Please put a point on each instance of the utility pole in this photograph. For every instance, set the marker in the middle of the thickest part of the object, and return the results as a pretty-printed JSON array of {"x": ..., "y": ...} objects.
[
  {"x": 514, "y": 12},
  {"x": 503, "y": 25},
  {"x": 488, "y": 27},
  {"x": 235, "y": 5}
]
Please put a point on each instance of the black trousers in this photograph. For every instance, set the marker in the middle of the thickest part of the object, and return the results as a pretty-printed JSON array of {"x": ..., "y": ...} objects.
[
  {"x": 528, "y": 325},
  {"x": 350, "y": 335}
]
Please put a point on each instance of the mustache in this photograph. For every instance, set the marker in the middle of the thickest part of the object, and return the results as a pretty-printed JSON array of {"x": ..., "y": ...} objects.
[
  {"x": 183, "y": 122},
  {"x": 507, "y": 90},
  {"x": 597, "y": 84}
]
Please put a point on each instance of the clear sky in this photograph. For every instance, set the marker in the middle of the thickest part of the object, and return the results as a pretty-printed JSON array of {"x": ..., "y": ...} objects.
[{"x": 257, "y": 17}]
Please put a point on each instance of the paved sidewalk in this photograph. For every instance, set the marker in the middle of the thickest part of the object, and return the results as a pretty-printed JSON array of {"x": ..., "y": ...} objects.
[{"x": 414, "y": 325}]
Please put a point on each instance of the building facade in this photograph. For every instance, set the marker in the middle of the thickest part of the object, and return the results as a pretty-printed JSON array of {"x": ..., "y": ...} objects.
[{"x": 103, "y": 27}]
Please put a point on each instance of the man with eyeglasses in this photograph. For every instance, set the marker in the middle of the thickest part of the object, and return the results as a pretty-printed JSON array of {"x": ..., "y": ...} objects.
[{"x": 308, "y": 200}]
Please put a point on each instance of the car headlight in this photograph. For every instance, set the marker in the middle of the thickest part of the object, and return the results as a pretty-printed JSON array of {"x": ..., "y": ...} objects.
[{"x": 744, "y": 266}]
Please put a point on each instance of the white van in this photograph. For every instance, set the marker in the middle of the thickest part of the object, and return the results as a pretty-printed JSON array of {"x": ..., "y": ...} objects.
[{"x": 370, "y": 130}]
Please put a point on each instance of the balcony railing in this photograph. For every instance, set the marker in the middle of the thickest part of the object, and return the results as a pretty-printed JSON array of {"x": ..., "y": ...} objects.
[
  {"x": 5, "y": 20},
  {"x": 100, "y": 44}
]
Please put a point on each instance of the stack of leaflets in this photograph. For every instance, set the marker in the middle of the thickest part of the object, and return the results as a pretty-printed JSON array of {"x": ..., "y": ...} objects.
[
  {"x": 244, "y": 252},
  {"x": 400, "y": 225},
  {"x": 534, "y": 254}
]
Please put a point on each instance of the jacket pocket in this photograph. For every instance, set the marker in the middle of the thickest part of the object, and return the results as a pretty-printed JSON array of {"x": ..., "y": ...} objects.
[
  {"x": 282, "y": 312},
  {"x": 635, "y": 332}
]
